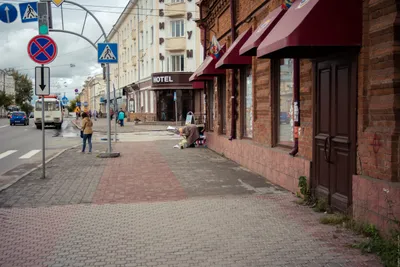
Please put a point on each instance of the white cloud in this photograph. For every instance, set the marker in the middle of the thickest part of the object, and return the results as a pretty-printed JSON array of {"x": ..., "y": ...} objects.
[{"x": 14, "y": 39}]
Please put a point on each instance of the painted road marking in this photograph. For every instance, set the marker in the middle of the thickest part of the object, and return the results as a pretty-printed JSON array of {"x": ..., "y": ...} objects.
[
  {"x": 30, "y": 154},
  {"x": 7, "y": 153},
  {"x": 4, "y": 126}
]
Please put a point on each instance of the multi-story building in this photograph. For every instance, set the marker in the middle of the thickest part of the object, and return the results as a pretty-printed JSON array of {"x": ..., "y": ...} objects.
[
  {"x": 159, "y": 48},
  {"x": 97, "y": 88},
  {"x": 7, "y": 85}
]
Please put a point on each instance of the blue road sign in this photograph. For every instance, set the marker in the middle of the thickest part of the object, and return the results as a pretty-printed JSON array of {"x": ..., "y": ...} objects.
[
  {"x": 8, "y": 13},
  {"x": 64, "y": 100},
  {"x": 78, "y": 104},
  {"x": 175, "y": 96},
  {"x": 107, "y": 52},
  {"x": 28, "y": 12}
]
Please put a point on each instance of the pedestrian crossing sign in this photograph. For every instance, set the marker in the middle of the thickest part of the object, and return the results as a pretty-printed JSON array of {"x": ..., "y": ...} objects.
[
  {"x": 107, "y": 52},
  {"x": 29, "y": 12}
]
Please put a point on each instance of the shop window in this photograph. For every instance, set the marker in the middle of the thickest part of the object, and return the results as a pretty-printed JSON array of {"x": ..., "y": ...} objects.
[
  {"x": 210, "y": 105},
  {"x": 284, "y": 102},
  {"x": 177, "y": 28},
  {"x": 247, "y": 103},
  {"x": 222, "y": 103},
  {"x": 178, "y": 63}
]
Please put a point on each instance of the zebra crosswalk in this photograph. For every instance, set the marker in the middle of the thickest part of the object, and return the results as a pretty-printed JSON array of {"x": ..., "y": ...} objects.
[{"x": 20, "y": 154}]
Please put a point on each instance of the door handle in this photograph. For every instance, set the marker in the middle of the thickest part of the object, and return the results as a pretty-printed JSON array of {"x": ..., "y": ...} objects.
[{"x": 327, "y": 154}]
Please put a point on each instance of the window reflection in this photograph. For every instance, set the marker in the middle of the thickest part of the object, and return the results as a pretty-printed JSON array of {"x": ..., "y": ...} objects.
[{"x": 285, "y": 133}]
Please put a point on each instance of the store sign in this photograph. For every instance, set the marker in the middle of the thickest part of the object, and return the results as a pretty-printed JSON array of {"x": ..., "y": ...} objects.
[{"x": 162, "y": 79}]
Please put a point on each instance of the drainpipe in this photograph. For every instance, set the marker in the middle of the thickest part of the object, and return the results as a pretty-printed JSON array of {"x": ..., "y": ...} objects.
[
  {"x": 296, "y": 105},
  {"x": 234, "y": 73}
]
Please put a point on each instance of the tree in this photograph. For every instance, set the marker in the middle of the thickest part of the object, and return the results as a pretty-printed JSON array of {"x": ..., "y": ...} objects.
[
  {"x": 72, "y": 104},
  {"x": 6, "y": 100},
  {"x": 23, "y": 87},
  {"x": 27, "y": 108}
]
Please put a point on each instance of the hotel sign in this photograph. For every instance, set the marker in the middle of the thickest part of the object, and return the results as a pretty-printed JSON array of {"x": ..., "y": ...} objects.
[
  {"x": 162, "y": 79},
  {"x": 171, "y": 80}
]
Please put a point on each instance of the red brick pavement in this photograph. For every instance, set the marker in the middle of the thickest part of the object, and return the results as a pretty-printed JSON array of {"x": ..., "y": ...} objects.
[{"x": 142, "y": 176}]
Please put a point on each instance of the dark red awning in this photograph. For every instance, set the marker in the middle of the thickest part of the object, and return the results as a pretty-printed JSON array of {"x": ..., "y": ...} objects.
[
  {"x": 208, "y": 68},
  {"x": 249, "y": 48},
  {"x": 198, "y": 85},
  {"x": 312, "y": 28},
  {"x": 195, "y": 78},
  {"x": 231, "y": 59}
]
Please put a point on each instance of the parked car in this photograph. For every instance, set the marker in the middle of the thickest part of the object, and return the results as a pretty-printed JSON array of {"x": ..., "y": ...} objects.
[{"x": 19, "y": 117}]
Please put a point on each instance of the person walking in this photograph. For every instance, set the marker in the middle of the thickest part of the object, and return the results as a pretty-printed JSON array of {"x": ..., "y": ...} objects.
[
  {"x": 121, "y": 117},
  {"x": 95, "y": 115},
  {"x": 87, "y": 129}
]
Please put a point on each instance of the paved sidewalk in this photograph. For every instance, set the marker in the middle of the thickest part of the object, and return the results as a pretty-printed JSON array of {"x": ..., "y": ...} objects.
[
  {"x": 101, "y": 126},
  {"x": 159, "y": 206}
]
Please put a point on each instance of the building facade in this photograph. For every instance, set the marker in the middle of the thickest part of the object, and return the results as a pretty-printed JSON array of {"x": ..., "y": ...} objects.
[
  {"x": 157, "y": 37},
  {"x": 7, "y": 85},
  {"x": 299, "y": 92}
]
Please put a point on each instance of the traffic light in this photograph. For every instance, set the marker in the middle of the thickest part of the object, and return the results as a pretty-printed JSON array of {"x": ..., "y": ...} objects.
[{"x": 43, "y": 18}]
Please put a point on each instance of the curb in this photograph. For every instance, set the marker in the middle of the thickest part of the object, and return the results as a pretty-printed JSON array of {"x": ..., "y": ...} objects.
[{"x": 13, "y": 181}]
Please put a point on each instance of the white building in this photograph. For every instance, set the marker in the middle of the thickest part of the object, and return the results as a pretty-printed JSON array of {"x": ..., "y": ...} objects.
[
  {"x": 156, "y": 40},
  {"x": 97, "y": 92},
  {"x": 7, "y": 85}
]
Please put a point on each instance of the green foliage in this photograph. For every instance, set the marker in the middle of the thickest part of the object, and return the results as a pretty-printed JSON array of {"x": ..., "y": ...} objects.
[
  {"x": 334, "y": 219},
  {"x": 27, "y": 108},
  {"x": 23, "y": 87},
  {"x": 6, "y": 99},
  {"x": 304, "y": 189},
  {"x": 321, "y": 205},
  {"x": 386, "y": 248},
  {"x": 72, "y": 104}
]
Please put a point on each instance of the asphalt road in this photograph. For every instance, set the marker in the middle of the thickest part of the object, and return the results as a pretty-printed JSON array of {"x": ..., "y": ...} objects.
[{"x": 21, "y": 146}]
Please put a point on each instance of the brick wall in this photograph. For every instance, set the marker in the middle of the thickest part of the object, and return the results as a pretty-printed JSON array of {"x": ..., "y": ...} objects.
[
  {"x": 376, "y": 188},
  {"x": 258, "y": 154}
]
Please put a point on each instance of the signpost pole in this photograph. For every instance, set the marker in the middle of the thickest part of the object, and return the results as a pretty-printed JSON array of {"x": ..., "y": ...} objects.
[
  {"x": 116, "y": 116},
  {"x": 43, "y": 133},
  {"x": 176, "y": 109},
  {"x": 108, "y": 108}
]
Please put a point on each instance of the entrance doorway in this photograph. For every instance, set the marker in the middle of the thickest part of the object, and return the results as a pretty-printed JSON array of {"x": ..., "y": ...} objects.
[
  {"x": 165, "y": 105},
  {"x": 335, "y": 130}
]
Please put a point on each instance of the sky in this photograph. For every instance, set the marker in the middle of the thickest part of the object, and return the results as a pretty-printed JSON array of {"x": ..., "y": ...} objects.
[{"x": 14, "y": 38}]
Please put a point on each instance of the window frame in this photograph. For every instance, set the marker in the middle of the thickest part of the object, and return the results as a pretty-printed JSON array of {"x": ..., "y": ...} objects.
[
  {"x": 181, "y": 60},
  {"x": 210, "y": 105},
  {"x": 276, "y": 91},
  {"x": 243, "y": 94},
  {"x": 222, "y": 105},
  {"x": 173, "y": 28}
]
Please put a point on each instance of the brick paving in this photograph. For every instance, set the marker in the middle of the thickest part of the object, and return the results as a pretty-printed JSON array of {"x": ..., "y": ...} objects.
[{"x": 159, "y": 206}]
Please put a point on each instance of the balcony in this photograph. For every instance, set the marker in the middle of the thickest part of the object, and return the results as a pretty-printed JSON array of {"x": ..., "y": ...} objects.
[
  {"x": 134, "y": 34},
  {"x": 175, "y": 10},
  {"x": 134, "y": 61},
  {"x": 175, "y": 44}
]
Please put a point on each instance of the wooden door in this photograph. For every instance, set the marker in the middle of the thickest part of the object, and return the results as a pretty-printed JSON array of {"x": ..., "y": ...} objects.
[{"x": 335, "y": 130}]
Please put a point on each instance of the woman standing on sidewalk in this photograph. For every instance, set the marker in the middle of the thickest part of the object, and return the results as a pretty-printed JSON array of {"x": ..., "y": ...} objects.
[{"x": 87, "y": 129}]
